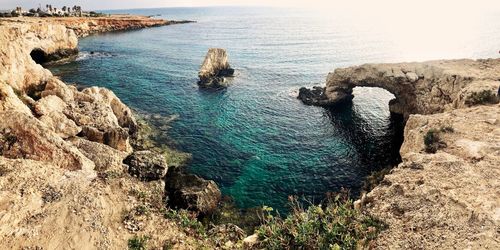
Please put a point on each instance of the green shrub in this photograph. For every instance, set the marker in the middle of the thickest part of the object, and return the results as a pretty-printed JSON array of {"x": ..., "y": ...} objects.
[
  {"x": 186, "y": 220},
  {"x": 335, "y": 225},
  {"x": 138, "y": 243},
  {"x": 433, "y": 141},
  {"x": 483, "y": 97}
]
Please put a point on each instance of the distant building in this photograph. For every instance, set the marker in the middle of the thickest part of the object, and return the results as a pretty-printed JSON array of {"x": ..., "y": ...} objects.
[{"x": 18, "y": 10}]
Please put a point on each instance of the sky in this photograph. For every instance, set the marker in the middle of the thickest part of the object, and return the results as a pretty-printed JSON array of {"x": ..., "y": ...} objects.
[{"x": 348, "y": 5}]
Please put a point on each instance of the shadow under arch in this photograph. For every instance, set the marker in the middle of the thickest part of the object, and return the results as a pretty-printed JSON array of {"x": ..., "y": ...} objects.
[{"x": 379, "y": 145}]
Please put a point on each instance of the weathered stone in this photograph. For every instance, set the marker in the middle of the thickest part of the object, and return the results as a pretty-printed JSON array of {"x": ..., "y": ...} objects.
[
  {"x": 147, "y": 165},
  {"x": 226, "y": 234},
  {"x": 104, "y": 157},
  {"x": 215, "y": 69},
  {"x": 425, "y": 88},
  {"x": 191, "y": 192},
  {"x": 60, "y": 124},
  {"x": 31, "y": 139}
]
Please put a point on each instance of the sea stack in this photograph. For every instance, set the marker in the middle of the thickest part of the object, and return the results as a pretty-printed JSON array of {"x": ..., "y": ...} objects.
[{"x": 215, "y": 69}]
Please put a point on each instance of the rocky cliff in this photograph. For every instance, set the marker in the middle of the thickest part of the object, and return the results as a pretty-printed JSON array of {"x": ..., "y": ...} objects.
[
  {"x": 444, "y": 194},
  {"x": 419, "y": 88},
  {"x": 62, "y": 180}
]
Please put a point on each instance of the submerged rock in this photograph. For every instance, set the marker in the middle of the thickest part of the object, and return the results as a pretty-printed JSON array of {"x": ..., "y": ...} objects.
[
  {"x": 147, "y": 165},
  {"x": 315, "y": 96},
  {"x": 215, "y": 69},
  {"x": 187, "y": 191}
]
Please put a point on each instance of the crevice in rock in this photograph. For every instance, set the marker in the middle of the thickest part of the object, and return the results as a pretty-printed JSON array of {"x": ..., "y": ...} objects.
[{"x": 39, "y": 56}]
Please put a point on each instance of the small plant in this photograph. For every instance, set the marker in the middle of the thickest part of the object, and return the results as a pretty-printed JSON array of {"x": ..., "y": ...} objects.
[
  {"x": 483, "y": 97},
  {"x": 333, "y": 225},
  {"x": 186, "y": 220},
  {"x": 433, "y": 141},
  {"x": 168, "y": 245},
  {"x": 138, "y": 243},
  {"x": 142, "y": 210}
]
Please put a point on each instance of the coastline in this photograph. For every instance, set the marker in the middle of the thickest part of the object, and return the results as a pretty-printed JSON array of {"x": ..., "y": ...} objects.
[
  {"x": 62, "y": 150},
  {"x": 420, "y": 178}
]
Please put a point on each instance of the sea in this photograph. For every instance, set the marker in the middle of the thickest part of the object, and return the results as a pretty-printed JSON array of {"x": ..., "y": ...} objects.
[{"x": 255, "y": 139}]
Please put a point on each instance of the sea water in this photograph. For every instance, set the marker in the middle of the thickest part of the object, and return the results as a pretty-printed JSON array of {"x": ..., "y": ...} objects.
[{"x": 255, "y": 139}]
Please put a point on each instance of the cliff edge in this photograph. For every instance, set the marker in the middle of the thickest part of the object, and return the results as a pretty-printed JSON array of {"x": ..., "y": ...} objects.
[
  {"x": 63, "y": 184},
  {"x": 445, "y": 193}
]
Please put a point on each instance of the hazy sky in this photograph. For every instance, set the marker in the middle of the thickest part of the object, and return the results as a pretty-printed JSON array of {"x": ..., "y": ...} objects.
[{"x": 366, "y": 5}]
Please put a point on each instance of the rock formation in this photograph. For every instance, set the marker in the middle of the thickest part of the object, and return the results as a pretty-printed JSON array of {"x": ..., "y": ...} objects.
[
  {"x": 215, "y": 69},
  {"x": 62, "y": 151},
  {"x": 191, "y": 192},
  {"x": 448, "y": 199},
  {"x": 445, "y": 197},
  {"x": 419, "y": 88},
  {"x": 147, "y": 165}
]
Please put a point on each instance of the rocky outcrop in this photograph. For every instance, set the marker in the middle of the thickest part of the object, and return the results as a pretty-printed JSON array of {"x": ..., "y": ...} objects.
[
  {"x": 62, "y": 152},
  {"x": 443, "y": 195},
  {"x": 191, "y": 192},
  {"x": 419, "y": 88},
  {"x": 448, "y": 199},
  {"x": 215, "y": 69},
  {"x": 87, "y": 26},
  {"x": 147, "y": 165}
]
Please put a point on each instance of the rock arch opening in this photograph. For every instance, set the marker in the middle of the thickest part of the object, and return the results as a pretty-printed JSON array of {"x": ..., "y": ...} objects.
[{"x": 39, "y": 56}]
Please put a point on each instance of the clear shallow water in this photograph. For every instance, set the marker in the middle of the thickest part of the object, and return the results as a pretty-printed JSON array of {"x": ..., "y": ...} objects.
[{"x": 255, "y": 139}]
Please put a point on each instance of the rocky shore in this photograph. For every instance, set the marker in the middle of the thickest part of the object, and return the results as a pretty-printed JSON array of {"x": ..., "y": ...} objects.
[
  {"x": 63, "y": 181},
  {"x": 72, "y": 175},
  {"x": 444, "y": 194}
]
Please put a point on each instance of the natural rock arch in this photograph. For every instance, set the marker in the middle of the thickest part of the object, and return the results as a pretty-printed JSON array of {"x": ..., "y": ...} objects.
[{"x": 419, "y": 88}]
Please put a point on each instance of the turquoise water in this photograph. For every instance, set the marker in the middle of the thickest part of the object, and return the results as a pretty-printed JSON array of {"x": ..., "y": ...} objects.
[{"x": 255, "y": 139}]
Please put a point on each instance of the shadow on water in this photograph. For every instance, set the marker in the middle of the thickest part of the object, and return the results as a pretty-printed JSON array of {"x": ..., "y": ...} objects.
[{"x": 376, "y": 150}]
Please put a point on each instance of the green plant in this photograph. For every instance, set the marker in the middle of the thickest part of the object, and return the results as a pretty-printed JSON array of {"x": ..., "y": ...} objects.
[
  {"x": 142, "y": 210},
  {"x": 482, "y": 97},
  {"x": 138, "y": 243},
  {"x": 187, "y": 220},
  {"x": 334, "y": 225},
  {"x": 433, "y": 141},
  {"x": 168, "y": 245}
]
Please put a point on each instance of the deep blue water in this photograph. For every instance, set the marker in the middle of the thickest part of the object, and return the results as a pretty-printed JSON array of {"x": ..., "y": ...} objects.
[{"x": 255, "y": 139}]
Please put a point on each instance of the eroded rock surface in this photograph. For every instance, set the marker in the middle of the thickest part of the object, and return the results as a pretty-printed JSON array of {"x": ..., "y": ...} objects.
[
  {"x": 191, "y": 192},
  {"x": 63, "y": 184},
  {"x": 419, "y": 88},
  {"x": 147, "y": 165},
  {"x": 215, "y": 69},
  {"x": 449, "y": 199}
]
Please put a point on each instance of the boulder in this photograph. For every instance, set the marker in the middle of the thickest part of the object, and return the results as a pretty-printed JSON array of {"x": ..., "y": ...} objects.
[
  {"x": 60, "y": 124},
  {"x": 187, "y": 191},
  {"x": 146, "y": 165},
  {"x": 215, "y": 69},
  {"x": 226, "y": 234},
  {"x": 104, "y": 157},
  {"x": 315, "y": 96}
]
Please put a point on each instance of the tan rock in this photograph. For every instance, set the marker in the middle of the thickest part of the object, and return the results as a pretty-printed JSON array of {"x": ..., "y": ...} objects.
[
  {"x": 451, "y": 200},
  {"x": 419, "y": 88},
  {"x": 31, "y": 139},
  {"x": 60, "y": 124}
]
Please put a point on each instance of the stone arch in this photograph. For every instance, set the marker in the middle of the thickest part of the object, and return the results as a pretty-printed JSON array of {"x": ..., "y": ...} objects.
[{"x": 420, "y": 88}]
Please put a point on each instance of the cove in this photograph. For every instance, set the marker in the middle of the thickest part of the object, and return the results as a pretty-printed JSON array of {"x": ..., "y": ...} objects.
[{"x": 255, "y": 139}]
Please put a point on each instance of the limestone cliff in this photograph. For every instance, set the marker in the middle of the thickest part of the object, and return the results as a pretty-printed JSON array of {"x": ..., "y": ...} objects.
[
  {"x": 419, "y": 88},
  {"x": 62, "y": 179},
  {"x": 444, "y": 194}
]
